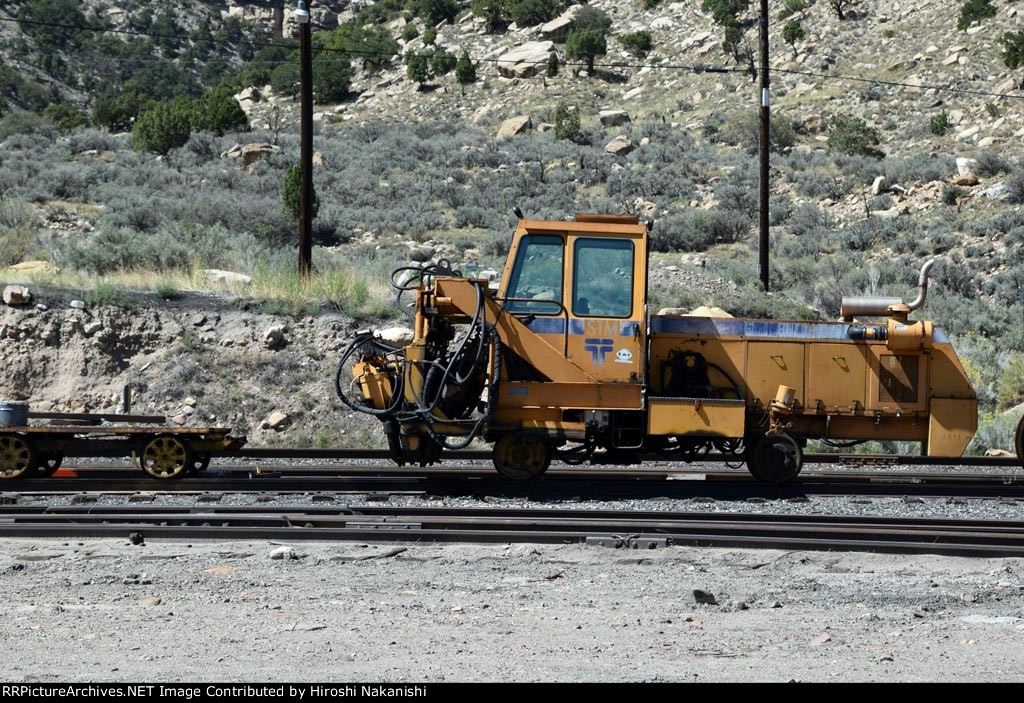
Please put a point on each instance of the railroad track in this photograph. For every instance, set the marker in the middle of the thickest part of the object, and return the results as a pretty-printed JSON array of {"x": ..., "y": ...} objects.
[
  {"x": 625, "y": 529},
  {"x": 559, "y": 484}
]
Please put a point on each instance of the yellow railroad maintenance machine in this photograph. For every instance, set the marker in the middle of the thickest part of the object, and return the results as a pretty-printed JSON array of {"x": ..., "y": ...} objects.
[{"x": 564, "y": 359}]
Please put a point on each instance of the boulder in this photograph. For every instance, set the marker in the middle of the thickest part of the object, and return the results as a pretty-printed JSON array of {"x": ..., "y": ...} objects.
[
  {"x": 91, "y": 328},
  {"x": 17, "y": 295},
  {"x": 878, "y": 186},
  {"x": 558, "y": 28},
  {"x": 274, "y": 338},
  {"x": 965, "y": 167},
  {"x": 998, "y": 452},
  {"x": 526, "y": 60},
  {"x": 275, "y": 421},
  {"x": 968, "y": 180},
  {"x": 613, "y": 118},
  {"x": 708, "y": 311},
  {"x": 620, "y": 146},
  {"x": 250, "y": 153},
  {"x": 33, "y": 267},
  {"x": 814, "y": 124},
  {"x": 513, "y": 126},
  {"x": 396, "y": 336}
]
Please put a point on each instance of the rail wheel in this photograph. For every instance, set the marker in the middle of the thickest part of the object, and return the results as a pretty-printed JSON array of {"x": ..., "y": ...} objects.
[
  {"x": 17, "y": 455},
  {"x": 521, "y": 458},
  {"x": 166, "y": 456},
  {"x": 776, "y": 458},
  {"x": 49, "y": 462},
  {"x": 1020, "y": 441}
]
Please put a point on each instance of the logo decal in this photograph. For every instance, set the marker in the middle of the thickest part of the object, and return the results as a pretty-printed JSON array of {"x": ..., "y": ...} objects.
[
  {"x": 597, "y": 347},
  {"x": 623, "y": 356}
]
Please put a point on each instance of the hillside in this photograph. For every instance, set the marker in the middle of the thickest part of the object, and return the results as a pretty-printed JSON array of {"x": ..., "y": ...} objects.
[{"x": 896, "y": 138}]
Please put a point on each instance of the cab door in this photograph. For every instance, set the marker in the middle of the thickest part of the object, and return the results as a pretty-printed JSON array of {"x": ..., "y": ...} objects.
[{"x": 606, "y": 295}]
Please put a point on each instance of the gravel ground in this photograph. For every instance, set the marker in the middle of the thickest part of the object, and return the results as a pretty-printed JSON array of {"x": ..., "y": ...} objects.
[{"x": 171, "y": 611}]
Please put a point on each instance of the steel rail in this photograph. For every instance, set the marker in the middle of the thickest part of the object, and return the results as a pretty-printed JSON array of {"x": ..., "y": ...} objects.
[{"x": 632, "y": 528}]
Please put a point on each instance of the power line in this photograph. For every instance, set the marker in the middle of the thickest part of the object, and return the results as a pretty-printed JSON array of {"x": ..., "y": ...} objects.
[{"x": 695, "y": 69}]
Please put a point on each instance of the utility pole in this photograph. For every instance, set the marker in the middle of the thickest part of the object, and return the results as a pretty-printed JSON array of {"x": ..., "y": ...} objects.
[
  {"x": 306, "y": 149},
  {"x": 765, "y": 128}
]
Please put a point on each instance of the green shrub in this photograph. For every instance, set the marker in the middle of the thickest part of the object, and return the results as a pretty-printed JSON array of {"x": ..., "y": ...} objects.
[
  {"x": 974, "y": 11},
  {"x": 567, "y": 123},
  {"x": 442, "y": 62},
  {"x": 430, "y": 36},
  {"x": 417, "y": 67},
  {"x": 64, "y": 116},
  {"x": 793, "y": 32},
  {"x": 217, "y": 111},
  {"x": 939, "y": 124},
  {"x": 552, "y": 67},
  {"x": 116, "y": 110},
  {"x": 291, "y": 193},
  {"x": 163, "y": 126},
  {"x": 107, "y": 293},
  {"x": 637, "y": 42},
  {"x": 285, "y": 79},
  {"x": 332, "y": 78},
  {"x": 527, "y": 13},
  {"x": 1013, "y": 49},
  {"x": 1011, "y": 384},
  {"x": 951, "y": 194},
  {"x": 465, "y": 71},
  {"x": 409, "y": 32},
  {"x": 435, "y": 11},
  {"x": 791, "y": 8},
  {"x": 851, "y": 135},
  {"x": 587, "y": 44}
]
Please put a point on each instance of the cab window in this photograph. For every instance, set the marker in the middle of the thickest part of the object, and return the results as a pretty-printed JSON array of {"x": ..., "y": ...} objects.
[
  {"x": 537, "y": 275},
  {"x": 602, "y": 278}
]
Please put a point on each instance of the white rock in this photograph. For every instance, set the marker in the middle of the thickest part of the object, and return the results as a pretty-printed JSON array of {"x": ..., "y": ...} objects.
[
  {"x": 227, "y": 277},
  {"x": 965, "y": 167},
  {"x": 274, "y": 337},
  {"x": 283, "y": 553},
  {"x": 396, "y": 336},
  {"x": 878, "y": 187},
  {"x": 513, "y": 126},
  {"x": 92, "y": 328},
  {"x": 275, "y": 421},
  {"x": 78, "y": 304}
]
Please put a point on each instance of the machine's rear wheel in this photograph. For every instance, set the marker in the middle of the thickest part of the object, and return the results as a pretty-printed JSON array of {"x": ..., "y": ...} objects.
[
  {"x": 520, "y": 458},
  {"x": 776, "y": 458},
  {"x": 166, "y": 456},
  {"x": 17, "y": 455},
  {"x": 1020, "y": 441}
]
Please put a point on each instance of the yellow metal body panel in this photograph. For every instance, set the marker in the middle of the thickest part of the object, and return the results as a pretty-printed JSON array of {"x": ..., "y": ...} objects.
[
  {"x": 774, "y": 364},
  {"x": 836, "y": 376},
  {"x": 951, "y": 424},
  {"x": 587, "y": 396},
  {"x": 376, "y": 386},
  {"x": 695, "y": 417}
]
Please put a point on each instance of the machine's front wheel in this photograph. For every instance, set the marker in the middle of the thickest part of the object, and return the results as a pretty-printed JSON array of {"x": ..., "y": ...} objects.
[
  {"x": 776, "y": 458},
  {"x": 1020, "y": 441},
  {"x": 521, "y": 458}
]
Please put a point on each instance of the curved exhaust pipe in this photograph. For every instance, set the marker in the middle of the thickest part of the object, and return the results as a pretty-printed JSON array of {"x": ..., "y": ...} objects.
[
  {"x": 922, "y": 286},
  {"x": 855, "y": 306}
]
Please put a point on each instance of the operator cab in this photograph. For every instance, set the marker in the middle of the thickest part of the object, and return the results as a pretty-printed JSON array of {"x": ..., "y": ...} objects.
[{"x": 582, "y": 287}]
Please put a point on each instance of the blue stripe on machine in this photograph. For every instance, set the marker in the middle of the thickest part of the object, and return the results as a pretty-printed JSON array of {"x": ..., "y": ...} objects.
[
  {"x": 547, "y": 325},
  {"x": 750, "y": 328},
  {"x": 697, "y": 325},
  {"x": 580, "y": 327}
]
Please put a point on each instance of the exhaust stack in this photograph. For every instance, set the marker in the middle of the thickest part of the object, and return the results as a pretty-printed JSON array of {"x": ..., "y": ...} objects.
[{"x": 861, "y": 306}]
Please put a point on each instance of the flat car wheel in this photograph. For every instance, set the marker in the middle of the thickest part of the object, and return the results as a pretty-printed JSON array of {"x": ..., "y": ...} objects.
[
  {"x": 1020, "y": 441},
  {"x": 166, "y": 456},
  {"x": 776, "y": 458},
  {"x": 17, "y": 455},
  {"x": 521, "y": 458}
]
